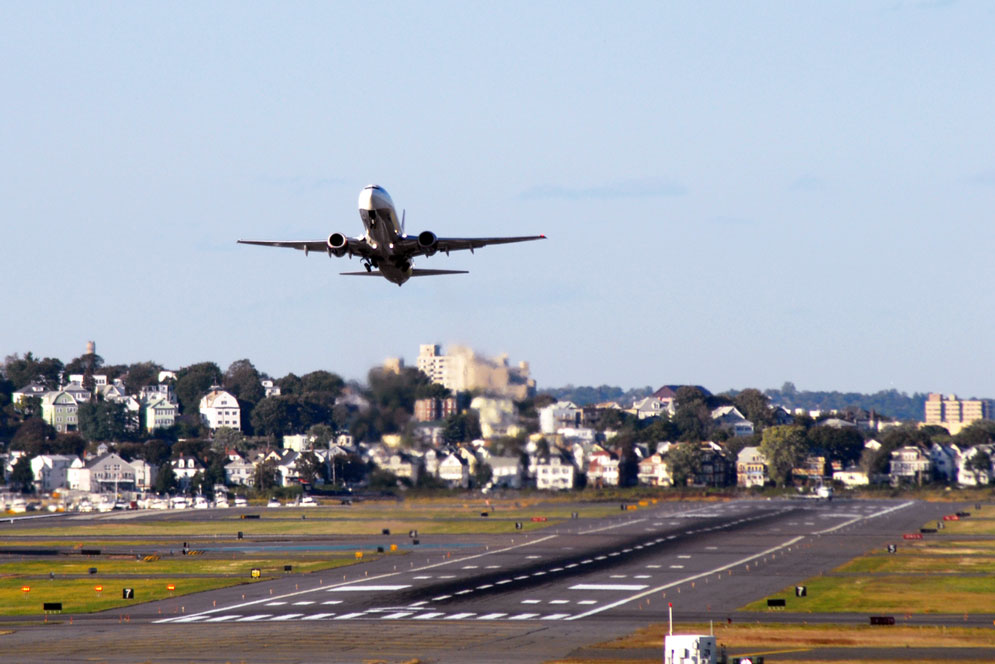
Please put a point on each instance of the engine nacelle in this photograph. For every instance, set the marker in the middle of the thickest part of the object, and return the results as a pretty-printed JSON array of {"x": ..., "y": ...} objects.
[
  {"x": 338, "y": 244},
  {"x": 427, "y": 241}
]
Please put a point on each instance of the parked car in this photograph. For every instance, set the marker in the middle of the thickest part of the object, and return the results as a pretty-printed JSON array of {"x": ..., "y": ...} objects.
[
  {"x": 309, "y": 501},
  {"x": 241, "y": 502},
  {"x": 273, "y": 502},
  {"x": 200, "y": 503}
]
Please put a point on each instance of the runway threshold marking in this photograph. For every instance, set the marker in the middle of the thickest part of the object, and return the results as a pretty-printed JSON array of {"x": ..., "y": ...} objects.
[
  {"x": 345, "y": 584},
  {"x": 868, "y": 516},
  {"x": 626, "y": 600}
]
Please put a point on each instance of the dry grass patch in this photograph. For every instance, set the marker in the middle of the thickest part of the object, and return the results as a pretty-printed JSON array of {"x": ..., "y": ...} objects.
[{"x": 775, "y": 637}]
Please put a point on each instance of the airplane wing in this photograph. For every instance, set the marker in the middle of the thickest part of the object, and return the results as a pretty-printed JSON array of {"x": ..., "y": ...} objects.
[
  {"x": 416, "y": 272},
  {"x": 357, "y": 246},
  {"x": 447, "y": 244}
]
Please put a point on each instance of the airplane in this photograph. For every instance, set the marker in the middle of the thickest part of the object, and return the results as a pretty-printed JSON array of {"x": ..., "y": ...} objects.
[{"x": 385, "y": 249}]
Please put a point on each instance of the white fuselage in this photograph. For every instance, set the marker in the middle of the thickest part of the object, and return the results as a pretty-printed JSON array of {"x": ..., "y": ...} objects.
[{"x": 383, "y": 229}]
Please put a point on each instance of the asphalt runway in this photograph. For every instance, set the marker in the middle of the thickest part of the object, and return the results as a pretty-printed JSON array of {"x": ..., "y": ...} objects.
[{"x": 501, "y": 598}]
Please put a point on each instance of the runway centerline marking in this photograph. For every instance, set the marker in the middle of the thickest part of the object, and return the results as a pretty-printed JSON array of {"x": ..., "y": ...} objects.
[{"x": 695, "y": 577}]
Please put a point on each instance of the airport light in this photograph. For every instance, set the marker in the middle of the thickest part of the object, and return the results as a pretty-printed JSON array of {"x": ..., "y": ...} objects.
[
  {"x": 171, "y": 587},
  {"x": 25, "y": 589}
]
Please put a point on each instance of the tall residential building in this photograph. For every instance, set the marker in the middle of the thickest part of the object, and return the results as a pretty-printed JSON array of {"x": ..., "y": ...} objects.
[
  {"x": 462, "y": 370},
  {"x": 954, "y": 414}
]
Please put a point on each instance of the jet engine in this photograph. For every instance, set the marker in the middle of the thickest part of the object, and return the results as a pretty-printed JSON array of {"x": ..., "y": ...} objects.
[
  {"x": 338, "y": 244},
  {"x": 427, "y": 241}
]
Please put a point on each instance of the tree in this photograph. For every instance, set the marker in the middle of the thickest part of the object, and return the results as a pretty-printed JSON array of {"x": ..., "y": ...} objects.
[
  {"x": 85, "y": 363},
  {"x": 24, "y": 370},
  {"x": 783, "y": 448},
  {"x": 194, "y": 382},
  {"x": 141, "y": 374},
  {"x": 981, "y": 463},
  {"x": 482, "y": 475},
  {"x": 692, "y": 415},
  {"x": 103, "y": 420},
  {"x": 685, "y": 463},
  {"x": 155, "y": 451},
  {"x": 309, "y": 466},
  {"x": 33, "y": 436},
  {"x": 227, "y": 438},
  {"x": 21, "y": 477},
  {"x": 462, "y": 427},
  {"x": 266, "y": 476},
  {"x": 165, "y": 479},
  {"x": 244, "y": 382},
  {"x": 755, "y": 406},
  {"x": 843, "y": 444},
  {"x": 322, "y": 381}
]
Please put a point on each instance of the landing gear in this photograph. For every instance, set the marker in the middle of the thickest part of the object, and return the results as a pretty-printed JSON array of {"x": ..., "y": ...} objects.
[{"x": 367, "y": 266}]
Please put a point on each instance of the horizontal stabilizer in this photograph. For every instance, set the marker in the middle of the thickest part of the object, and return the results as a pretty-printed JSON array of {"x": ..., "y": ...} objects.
[{"x": 414, "y": 273}]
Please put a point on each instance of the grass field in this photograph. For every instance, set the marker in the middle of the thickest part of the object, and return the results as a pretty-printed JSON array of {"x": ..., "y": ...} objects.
[
  {"x": 433, "y": 518},
  {"x": 938, "y": 574}
]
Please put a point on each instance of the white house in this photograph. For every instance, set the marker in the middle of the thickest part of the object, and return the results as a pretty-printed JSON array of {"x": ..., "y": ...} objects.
[
  {"x": 602, "y": 468},
  {"x": 555, "y": 472},
  {"x": 909, "y": 463},
  {"x": 220, "y": 409},
  {"x": 655, "y": 470},
  {"x": 270, "y": 388},
  {"x": 751, "y": 467},
  {"x": 967, "y": 472},
  {"x": 28, "y": 391},
  {"x": 559, "y": 415},
  {"x": 730, "y": 419},
  {"x": 160, "y": 413},
  {"x": 454, "y": 471},
  {"x": 240, "y": 471},
  {"x": 185, "y": 468},
  {"x": 649, "y": 407},
  {"x": 506, "y": 471},
  {"x": 51, "y": 471}
]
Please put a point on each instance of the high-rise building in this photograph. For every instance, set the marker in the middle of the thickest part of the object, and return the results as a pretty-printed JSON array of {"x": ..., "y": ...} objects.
[
  {"x": 954, "y": 414},
  {"x": 462, "y": 370}
]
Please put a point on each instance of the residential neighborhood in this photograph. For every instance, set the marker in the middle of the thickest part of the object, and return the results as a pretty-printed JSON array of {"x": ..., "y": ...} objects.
[{"x": 467, "y": 422}]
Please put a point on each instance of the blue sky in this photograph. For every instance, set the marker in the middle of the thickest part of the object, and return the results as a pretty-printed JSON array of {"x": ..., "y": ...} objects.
[{"x": 735, "y": 194}]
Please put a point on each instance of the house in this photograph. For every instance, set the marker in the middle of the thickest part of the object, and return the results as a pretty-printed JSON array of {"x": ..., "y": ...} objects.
[
  {"x": 160, "y": 413},
  {"x": 813, "y": 467},
  {"x": 286, "y": 466},
  {"x": 404, "y": 466},
  {"x": 150, "y": 393},
  {"x": 78, "y": 392},
  {"x": 51, "y": 471},
  {"x": 555, "y": 472},
  {"x": 909, "y": 464},
  {"x": 667, "y": 395},
  {"x": 561, "y": 414},
  {"x": 602, "y": 468},
  {"x": 728, "y": 418},
  {"x": 220, "y": 409},
  {"x": 655, "y": 470},
  {"x": 144, "y": 474},
  {"x": 506, "y": 472},
  {"x": 454, "y": 471},
  {"x": 974, "y": 467},
  {"x": 28, "y": 391},
  {"x": 851, "y": 476},
  {"x": 61, "y": 410},
  {"x": 649, "y": 407},
  {"x": 716, "y": 469},
  {"x": 239, "y": 471},
  {"x": 270, "y": 389},
  {"x": 103, "y": 473},
  {"x": 185, "y": 468},
  {"x": 751, "y": 468},
  {"x": 946, "y": 461}
]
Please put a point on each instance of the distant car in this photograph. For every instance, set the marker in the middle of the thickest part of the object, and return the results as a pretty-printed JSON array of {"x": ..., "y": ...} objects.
[
  {"x": 273, "y": 502},
  {"x": 200, "y": 503},
  {"x": 221, "y": 502},
  {"x": 159, "y": 504},
  {"x": 241, "y": 502},
  {"x": 309, "y": 501}
]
